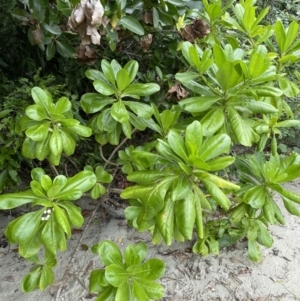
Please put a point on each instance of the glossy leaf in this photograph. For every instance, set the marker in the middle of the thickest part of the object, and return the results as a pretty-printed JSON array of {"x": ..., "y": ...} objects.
[
  {"x": 132, "y": 24},
  {"x": 13, "y": 200},
  {"x": 185, "y": 215},
  {"x": 119, "y": 112}
]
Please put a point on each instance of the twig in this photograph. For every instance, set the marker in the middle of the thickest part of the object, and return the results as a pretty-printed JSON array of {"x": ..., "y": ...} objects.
[
  {"x": 102, "y": 199},
  {"x": 73, "y": 163},
  {"x": 104, "y": 159},
  {"x": 78, "y": 244},
  {"x": 54, "y": 169},
  {"x": 116, "y": 149}
]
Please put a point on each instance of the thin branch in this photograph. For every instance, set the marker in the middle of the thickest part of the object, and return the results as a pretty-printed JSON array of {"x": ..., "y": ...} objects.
[
  {"x": 104, "y": 159},
  {"x": 54, "y": 169},
  {"x": 116, "y": 149},
  {"x": 101, "y": 200}
]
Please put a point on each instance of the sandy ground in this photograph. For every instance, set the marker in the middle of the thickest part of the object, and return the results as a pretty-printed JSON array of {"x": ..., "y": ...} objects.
[{"x": 229, "y": 276}]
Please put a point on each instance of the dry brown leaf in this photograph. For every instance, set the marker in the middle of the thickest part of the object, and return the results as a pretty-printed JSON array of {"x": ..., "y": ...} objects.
[
  {"x": 196, "y": 30},
  {"x": 176, "y": 91},
  {"x": 86, "y": 54},
  {"x": 148, "y": 17},
  {"x": 146, "y": 42},
  {"x": 85, "y": 20},
  {"x": 37, "y": 36}
]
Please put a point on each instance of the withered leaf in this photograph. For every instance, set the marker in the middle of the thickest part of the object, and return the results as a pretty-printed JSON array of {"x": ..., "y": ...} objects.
[
  {"x": 176, "y": 91},
  {"x": 148, "y": 17},
  {"x": 146, "y": 42},
  {"x": 37, "y": 36},
  {"x": 197, "y": 29}
]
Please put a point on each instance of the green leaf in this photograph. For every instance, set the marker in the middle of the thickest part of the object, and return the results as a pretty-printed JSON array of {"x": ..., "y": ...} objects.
[
  {"x": 38, "y": 132},
  {"x": 42, "y": 149},
  {"x": 50, "y": 51},
  {"x": 137, "y": 89},
  {"x": 255, "y": 196},
  {"x": 119, "y": 112},
  {"x": 82, "y": 130},
  {"x": 291, "y": 35},
  {"x": 24, "y": 227},
  {"x": 62, "y": 219},
  {"x": 260, "y": 107},
  {"x": 193, "y": 138},
  {"x": 185, "y": 215},
  {"x": 102, "y": 175},
  {"x": 16, "y": 199},
  {"x": 165, "y": 221},
  {"x": 132, "y": 68},
  {"x": 51, "y": 235},
  {"x": 220, "y": 163},
  {"x": 65, "y": 49},
  {"x": 257, "y": 65},
  {"x": 132, "y": 24},
  {"x": 280, "y": 35},
  {"x": 94, "y": 102},
  {"x": 46, "y": 182},
  {"x": 116, "y": 275},
  {"x": 249, "y": 17},
  {"x": 242, "y": 131},
  {"x": 217, "y": 194},
  {"x": 293, "y": 196},
  {"x": 290, "y": 207},
  {"x": 147, "y": 177},
  {"x": 56, "y": 143},
  {"x": 104, "y": 88},
  {"x": 177, "y": 144},
  {"x": 212, "y": 121},
  {"x": 109, "y": 253},
  {"x": 152, "y": 269},
  {"x": 215, "y": 146},
  {"x": 69, "y": 144},
  {"x": 147, "y": 289},
  {"x": 198, "y": 214},
  {"x": 108, "y": 71},
  {"x": 97, "y": 191},
  {"x": 125, "y": 292},
  {"x": 74, "y": 213},
  {"x": 63, "y": 105},
  {"x": 30, "y": 248},
  {"x": 30, "y": 281},
  {"x": 42, "y": 98},
  {"x": 289, "y": 88},
  {"x": 36, "y": 112},
  {"x": 198, "y": 104},
  {"x": 141, "y": 109},
  {"x": 254, "y": 251},
  {"x": 29, "y": 148},
  {"x": 229, "y": 75},
  {"x": 264, "y": 236},
  {"x": 180, "y": 188},
  {"x": 122, "y": 80}
]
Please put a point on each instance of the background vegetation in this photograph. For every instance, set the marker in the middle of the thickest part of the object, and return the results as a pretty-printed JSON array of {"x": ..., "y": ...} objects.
[{"x": 156, "y": 99}]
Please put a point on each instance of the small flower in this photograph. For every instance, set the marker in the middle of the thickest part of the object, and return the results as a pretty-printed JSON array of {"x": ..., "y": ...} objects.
[
  {"x": 45, "y": 212},
  {"x": 49, "y": 211},
  {"x": 43, "y": 218}
]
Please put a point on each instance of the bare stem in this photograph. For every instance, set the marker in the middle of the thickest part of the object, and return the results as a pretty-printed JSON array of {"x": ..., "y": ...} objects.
[
  {"x": 104, "y": 159},
  {"x": 116, "y": 149}
]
